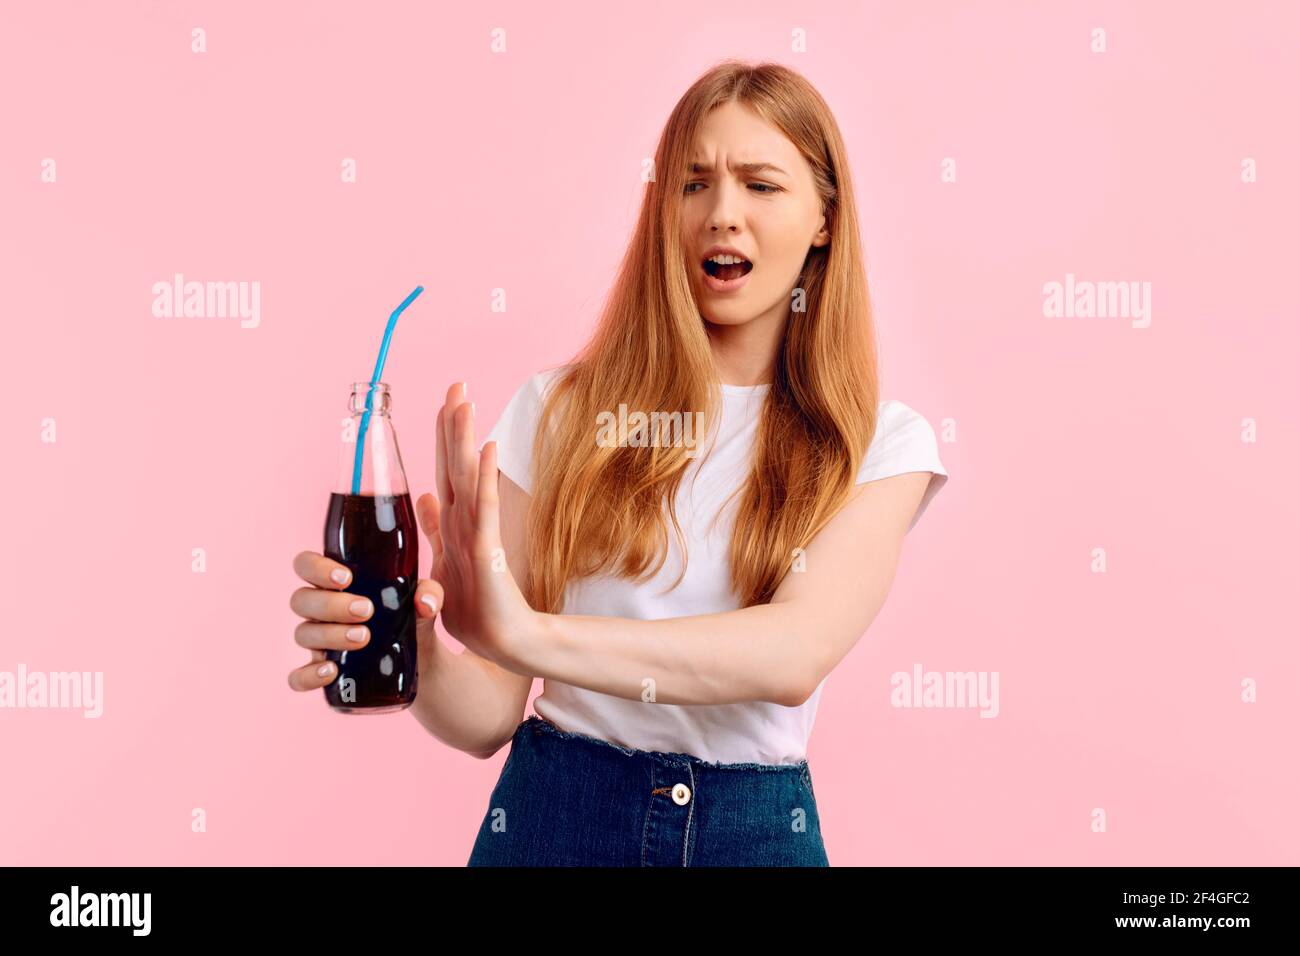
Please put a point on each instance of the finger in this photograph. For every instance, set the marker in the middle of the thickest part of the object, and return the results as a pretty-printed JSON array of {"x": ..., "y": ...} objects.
[
  {"x": 426, "y": 591},
  {"x": 444, "y": 462},
  {"x": 310, "y": 676},
  {"x": 429, "y": 514},
  {"x": 487, "y": 523},
  {"x": 455, "y": 397},
  {"x": 341, "y": 607},
  {"x": 464, "y": 468},
  {"x": 314, "y": 635},
  {"x": 314, "y": 568}
]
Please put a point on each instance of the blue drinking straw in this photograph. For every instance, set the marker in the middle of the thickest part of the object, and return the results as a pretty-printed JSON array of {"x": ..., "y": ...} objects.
[{"x": 374, "y": 380}]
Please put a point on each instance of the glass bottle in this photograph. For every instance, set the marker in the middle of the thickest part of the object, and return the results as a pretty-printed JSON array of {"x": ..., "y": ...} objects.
[{"x": 370, "y": 528}]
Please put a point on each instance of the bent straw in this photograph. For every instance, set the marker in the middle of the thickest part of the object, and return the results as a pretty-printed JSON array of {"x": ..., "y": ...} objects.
[{"x": 374, "y": 380}]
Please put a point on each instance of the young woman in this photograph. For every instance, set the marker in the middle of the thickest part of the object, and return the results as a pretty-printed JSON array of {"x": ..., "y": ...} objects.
[{"x": 682, "y": 666}]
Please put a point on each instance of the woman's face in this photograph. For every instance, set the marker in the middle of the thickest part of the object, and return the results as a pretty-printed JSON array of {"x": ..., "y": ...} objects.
[{"x": 770, "y": 215}]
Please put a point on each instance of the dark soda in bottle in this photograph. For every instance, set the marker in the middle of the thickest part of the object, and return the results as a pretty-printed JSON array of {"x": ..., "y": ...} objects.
[{"x": 370, "y": 528}]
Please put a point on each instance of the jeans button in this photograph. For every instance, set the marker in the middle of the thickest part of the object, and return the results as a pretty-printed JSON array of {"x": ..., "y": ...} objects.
[{"x": 681, "y": 794}]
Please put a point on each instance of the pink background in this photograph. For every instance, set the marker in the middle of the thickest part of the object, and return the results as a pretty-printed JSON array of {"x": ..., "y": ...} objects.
[{"x": 520, "y": 171}]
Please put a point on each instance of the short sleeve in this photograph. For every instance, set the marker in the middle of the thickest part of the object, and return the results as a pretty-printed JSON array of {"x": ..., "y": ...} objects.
[
  {"x": 904, "y": 442},
  {"x": 516, "y": 429}
]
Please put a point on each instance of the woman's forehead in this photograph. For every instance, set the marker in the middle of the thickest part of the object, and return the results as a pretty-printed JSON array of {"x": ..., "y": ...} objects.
[{"x": 743, "y": 136}]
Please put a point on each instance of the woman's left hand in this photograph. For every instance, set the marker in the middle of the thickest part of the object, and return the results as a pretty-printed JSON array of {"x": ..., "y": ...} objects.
[{"x": 483, "y": 607}]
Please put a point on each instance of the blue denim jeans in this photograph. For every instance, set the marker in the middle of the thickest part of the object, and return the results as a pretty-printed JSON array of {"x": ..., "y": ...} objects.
[{"x": 567, "y": 799}]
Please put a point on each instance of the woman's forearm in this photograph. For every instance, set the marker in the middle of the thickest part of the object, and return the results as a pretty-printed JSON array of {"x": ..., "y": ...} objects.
[
  {"x": 753, "y": 653},
  {"x": 466, "y": 702}
]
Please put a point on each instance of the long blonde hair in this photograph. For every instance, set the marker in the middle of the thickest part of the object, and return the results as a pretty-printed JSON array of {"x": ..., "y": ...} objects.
[{"x": 597, "y": 508}]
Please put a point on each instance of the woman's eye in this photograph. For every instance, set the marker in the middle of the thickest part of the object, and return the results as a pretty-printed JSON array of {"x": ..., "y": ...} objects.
[{"x": 764, "y": 188}]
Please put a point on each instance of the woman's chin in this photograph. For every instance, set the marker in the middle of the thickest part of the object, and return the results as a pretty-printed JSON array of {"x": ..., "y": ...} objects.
[
  {"x": 723, "y": 310},
  {"x": 726, "y": 317}
]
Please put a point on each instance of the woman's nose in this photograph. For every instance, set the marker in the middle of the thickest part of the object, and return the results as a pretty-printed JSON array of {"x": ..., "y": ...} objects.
[{"x": 724, "y": 214}]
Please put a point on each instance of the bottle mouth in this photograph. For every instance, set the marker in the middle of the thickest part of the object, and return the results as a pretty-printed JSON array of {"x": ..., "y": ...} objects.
[{"x": 377, "y": 395}]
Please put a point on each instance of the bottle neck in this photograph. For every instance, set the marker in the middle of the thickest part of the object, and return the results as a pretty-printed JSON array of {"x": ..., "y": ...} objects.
[{"x": 369, "y": 462}]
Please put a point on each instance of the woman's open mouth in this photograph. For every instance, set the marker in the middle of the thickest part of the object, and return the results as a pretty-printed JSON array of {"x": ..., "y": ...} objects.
[{"x": 726, "y": 273}]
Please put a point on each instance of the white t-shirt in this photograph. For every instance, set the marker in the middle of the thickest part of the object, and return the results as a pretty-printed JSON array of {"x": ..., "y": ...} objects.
[{"x": 746, "y": 732}]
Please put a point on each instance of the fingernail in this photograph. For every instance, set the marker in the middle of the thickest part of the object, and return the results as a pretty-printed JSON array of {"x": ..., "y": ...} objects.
[
  {"x": 473, "y": 410},
  {"x": 430, "y": 600},
  {"x": 324, "y": 669},
  {"x": 357, "y": 634},
  {"x": 464, "y": 389},
  {"x": 339, "y": 576},
  {"x": 360, "y": 608}
]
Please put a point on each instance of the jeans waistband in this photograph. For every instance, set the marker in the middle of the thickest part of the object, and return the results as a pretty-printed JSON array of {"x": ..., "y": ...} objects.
[{"x": 541, "y": 726}]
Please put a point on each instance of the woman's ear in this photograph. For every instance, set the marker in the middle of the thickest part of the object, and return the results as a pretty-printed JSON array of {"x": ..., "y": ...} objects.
[{"x": 823, "y": 234}]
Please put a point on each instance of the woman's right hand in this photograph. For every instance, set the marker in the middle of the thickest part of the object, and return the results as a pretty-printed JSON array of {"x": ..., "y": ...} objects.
[{"x": 334, "y": 620}]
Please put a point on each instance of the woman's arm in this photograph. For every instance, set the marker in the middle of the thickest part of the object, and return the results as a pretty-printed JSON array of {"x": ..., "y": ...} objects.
[
  {"x": 467, "y": 702},
  {"x": 777, "y": 652}
]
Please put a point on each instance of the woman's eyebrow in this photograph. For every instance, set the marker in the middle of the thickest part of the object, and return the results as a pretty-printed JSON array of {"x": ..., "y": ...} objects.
[{"x": 745, "y": 167}]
